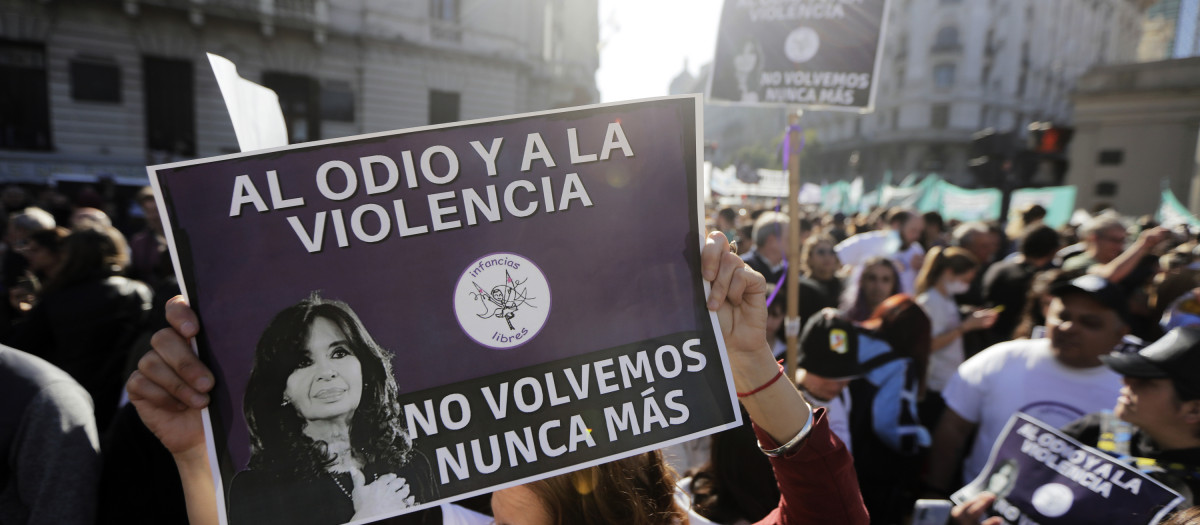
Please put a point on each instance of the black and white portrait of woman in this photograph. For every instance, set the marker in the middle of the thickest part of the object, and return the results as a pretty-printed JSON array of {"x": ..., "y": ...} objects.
[
  {"x": 327, "y": 439},
  {"x": 1003, "y": 479}
]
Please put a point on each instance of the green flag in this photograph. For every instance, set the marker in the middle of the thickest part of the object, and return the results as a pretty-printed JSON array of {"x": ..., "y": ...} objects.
[
  {"x": 1059, "y": 202},
  {"x": 969, "y": 205},
  {"x": 1171, "y": 212}
]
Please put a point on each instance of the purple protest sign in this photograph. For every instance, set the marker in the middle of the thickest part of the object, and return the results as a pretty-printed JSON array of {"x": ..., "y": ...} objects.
[
  {"x": 516, "y": 298},
  {"x": 1042, "y": 476}
]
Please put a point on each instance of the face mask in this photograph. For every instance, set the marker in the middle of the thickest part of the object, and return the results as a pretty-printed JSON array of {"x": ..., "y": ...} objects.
[{"x": 957, "y": 287}]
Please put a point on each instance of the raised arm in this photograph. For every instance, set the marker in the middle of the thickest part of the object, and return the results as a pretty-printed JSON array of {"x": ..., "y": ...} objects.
[
  {"x": 816, "y": 476},
  {"x": 739, "y": 297},
  {"x": 169, "y": 389},
  {"x": 1119, "y": 268}
]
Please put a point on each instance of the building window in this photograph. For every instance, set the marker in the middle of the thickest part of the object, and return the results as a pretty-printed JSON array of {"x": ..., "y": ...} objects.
[
  {"x": 940, "y": 116},
  {"x": 24, "y": 97},
  {"x": 95, "y": 80},
  {"x": 1111, "y": 157},
  {"x": 337, "y": 101},
  {"x": 947, "y": 39},
  {"x": 443, "y": 106},
  {"x": 170, "y": 107},
  {"x": 943, "y": 76},
  {"x": 444, "y": 15},
  {"x": 1106, "y": 189},
  {"x": 299, "y": 98},
  {"x": 895, "y": 118}
]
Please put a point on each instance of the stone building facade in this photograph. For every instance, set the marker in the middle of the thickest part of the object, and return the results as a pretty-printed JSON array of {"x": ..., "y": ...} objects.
[
  {"x": 952, "y": 68},
  {"x": 108, "y": 87}
]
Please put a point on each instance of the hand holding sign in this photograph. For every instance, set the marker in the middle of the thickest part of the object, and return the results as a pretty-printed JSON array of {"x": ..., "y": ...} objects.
[
  {"x": 739, "y": 296},
  {"x": 170, "y": 385},
  {"x": 971, "y": 512},
  {"x": 166, "y": 391}
]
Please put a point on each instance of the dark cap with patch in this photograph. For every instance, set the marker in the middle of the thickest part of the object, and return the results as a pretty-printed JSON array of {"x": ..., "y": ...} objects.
[
  {"x": 1099, "y": 289},
  {"x": 1175, "y": 356},
  {"x": 829, "y": 348}
]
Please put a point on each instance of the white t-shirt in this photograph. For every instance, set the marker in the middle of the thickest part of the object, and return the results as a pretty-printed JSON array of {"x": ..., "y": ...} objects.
[
  {"x": 837, "y": 414},
  {"x": 1023, "y": 376},
  {"x": 943, "y": 317}
]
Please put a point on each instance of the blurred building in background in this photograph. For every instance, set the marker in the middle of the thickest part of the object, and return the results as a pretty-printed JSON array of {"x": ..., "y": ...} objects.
[
  {"x": 735, "y": 135},
  {"x": 1137, "y": 128},
  {"x": 91, "y": 87},
  {"x": 963, "y": 80},
  {"x": 1171, "y": 29}
]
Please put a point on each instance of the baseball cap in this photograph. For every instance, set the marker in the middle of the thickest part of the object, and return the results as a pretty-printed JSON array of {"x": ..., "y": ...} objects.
[
  {"x": 829, "y": 348},
  {"x": 1175, "y": 356},
  {"x": 1108, "y": 294}
]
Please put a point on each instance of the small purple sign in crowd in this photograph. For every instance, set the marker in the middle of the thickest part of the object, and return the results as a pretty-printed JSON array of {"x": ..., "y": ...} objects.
[
  {"x": 1041, "y": 476},
  {"x": 436, "y": 313}
]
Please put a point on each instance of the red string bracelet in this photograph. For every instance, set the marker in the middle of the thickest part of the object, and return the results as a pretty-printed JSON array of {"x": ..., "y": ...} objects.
[{"x": 765, "y": 385}]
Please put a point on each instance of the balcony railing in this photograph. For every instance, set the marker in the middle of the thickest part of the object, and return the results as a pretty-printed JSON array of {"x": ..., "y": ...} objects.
[{"x": 295, "y": 13}]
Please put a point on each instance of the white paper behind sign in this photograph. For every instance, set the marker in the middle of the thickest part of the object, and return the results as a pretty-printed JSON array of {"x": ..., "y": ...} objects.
[{"x": 254, "y": 109}]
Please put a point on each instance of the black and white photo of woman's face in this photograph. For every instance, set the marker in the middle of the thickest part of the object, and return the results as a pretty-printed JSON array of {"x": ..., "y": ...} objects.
[
  {"x": 1000, "y": 479},
  {"x": 327, "y": 383}
]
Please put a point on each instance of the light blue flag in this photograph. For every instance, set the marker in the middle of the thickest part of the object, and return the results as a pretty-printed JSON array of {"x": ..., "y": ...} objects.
[
  {"x": 1171, "y": 212},
  {"x": 931, "y": 193},
  {"x": 970, "y": 205},
  {"x": 908, "y": 180},
  {"x": 833, "y": 196},
  {"x": 868, "y": 202},
  {"x": 1059, "y": 202}
]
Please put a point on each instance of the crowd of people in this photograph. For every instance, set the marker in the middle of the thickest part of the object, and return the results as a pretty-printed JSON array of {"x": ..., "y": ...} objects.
[
  {"x": 1074, "y": 326},
  {"x": 920, "y": 338}
]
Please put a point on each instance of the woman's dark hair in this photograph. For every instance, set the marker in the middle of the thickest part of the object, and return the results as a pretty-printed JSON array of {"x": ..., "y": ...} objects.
[
  {"x": 91, "y": 253},
  {"x": 737, "y": 483},
  {"x": 50, "y": 238},
  {"x": 1039, "y": 241},
  {"x": 859, "y": 310},
  {"x": 277, "y": 441},
  {"x": 903, "y": 324},
  {"x": 1039, "y": 289},
  {"x": 959, "y": 261},
  {"x": 638, "y": 490}
]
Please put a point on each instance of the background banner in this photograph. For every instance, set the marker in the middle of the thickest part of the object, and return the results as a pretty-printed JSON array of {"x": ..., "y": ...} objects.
[
  {"x": 814, "y": 53},
  {"x": 536, "y": 278},
  {"x": 1040, "y": 475},
  {"x": 1059, "y": 202},
  {"x": 969, "y": 205},
  {"x": 1171, "y": 212}
]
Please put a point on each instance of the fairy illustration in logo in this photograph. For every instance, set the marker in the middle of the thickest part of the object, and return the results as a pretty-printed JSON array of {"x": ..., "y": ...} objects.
[{"x": 503, "y": 301}]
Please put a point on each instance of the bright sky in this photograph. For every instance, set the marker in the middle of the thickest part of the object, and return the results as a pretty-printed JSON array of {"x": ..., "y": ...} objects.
[{"x": 644, "y": 44}]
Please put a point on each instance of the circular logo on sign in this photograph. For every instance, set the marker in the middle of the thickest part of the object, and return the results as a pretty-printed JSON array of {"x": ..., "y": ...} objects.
[
  {"x": 502, "y": 300},
  {"x": 1053, "y": 499},
  {"x": 801, "y": 45}
]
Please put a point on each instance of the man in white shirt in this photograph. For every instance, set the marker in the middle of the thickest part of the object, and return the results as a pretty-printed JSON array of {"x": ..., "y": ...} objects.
[
  {"x": 897, "y": 242},
  {"x": 1056, "y": 380}
]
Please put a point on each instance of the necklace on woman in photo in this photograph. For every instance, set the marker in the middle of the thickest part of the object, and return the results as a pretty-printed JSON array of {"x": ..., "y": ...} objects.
[{"x": 334, "y": 475}]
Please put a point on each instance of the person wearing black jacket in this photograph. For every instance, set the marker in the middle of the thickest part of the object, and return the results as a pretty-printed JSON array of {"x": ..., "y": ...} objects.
[{"x": 88, "y": 317}]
